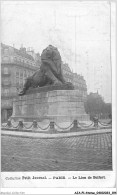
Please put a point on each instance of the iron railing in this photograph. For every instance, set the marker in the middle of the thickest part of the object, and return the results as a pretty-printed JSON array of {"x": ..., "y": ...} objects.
[{"x": 75, "y": 125}]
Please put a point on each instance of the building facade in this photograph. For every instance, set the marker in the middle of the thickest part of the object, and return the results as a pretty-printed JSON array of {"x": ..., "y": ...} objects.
[
  {"x": 16, "y": 66},
  {"x": 67, "y": 73},
  {"x": 80, "y": 84},
  {"x": 76, "y": 79}
]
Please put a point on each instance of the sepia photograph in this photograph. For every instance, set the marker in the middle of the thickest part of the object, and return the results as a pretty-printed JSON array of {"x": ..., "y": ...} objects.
[{"x": 56, "y": 86}]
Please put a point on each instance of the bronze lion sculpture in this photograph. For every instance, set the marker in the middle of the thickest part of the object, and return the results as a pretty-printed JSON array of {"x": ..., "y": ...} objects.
[{"x": 49, "y": 73}]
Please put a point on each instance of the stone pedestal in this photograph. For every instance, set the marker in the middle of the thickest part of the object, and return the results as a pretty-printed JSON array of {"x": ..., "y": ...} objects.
[{"x": 58, "y": 106}]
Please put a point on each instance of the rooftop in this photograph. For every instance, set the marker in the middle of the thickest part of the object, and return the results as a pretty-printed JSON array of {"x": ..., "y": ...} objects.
[{"x": 22, "y": 52}]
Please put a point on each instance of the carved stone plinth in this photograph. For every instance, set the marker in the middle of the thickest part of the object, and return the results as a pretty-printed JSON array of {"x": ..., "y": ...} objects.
[
  {"x": 57, "y": 106},
  {"x": 47, "y": 88}
]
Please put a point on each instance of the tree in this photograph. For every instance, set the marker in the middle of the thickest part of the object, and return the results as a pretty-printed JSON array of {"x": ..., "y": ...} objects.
[{"x": 95, "y": 105}]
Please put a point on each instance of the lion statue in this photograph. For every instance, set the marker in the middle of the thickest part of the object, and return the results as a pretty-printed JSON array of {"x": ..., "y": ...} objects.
[{"x": 49, "y": 73}]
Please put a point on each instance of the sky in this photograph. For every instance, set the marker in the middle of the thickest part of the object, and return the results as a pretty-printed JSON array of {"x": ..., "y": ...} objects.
[{"x": 80, "y": 31}]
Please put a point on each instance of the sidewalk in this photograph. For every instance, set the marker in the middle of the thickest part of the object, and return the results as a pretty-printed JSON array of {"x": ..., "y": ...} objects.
[{"x": 36, "y": 134}]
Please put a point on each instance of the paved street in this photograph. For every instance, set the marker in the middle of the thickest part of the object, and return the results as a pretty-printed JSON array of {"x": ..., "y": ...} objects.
[{"x": 81, "y": 153}]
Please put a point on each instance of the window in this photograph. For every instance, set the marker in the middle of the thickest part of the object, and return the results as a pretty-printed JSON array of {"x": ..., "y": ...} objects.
[
  {"x": 6, "y": 59},
  {"x": 21, "y": 81},
  {"x": 21, "y": 74},
  {"x": 6, "y": 70},
  {"x": 18, "y": 59},
  {"x": 15, "y": 59},
  {"x": 11, "y": 59},
  {"x": 24, "y": 80},
  {"x": 28, "y": 73},
  {"x": 6, "y": 79},
  {"x": 17, "y": 81},
  {"x": 25, "y": 74},
  {"x": 6, "y": 51},
  {"x": 6, "y": 92},
  {"x": 17, "y": 73},
  {"x": 17, "y": 77},
  {"x": 26, "y": 61}
]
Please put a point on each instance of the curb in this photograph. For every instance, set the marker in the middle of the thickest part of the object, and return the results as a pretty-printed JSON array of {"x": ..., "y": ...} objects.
[{"x": 38, "y": 135}]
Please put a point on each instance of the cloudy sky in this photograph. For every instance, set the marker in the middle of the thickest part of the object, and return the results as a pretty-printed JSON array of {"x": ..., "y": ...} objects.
[{"x": 80, "y": 30}]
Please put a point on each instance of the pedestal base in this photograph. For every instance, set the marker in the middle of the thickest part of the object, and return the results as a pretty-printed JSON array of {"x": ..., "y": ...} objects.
[{"x": 58, "y": 106}]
